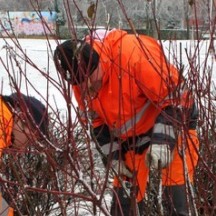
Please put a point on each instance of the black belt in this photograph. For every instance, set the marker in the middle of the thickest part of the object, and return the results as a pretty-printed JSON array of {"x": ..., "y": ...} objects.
[{"x": 136, "y": 143}]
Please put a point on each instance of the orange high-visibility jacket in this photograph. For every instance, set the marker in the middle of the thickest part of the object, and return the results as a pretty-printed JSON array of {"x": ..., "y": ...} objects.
[
  {"x": 138, "y": 84},
  {"x": 6, "y": 124}
]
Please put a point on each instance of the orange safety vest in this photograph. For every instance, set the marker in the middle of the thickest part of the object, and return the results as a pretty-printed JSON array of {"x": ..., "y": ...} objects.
[{"x": 138, "y": 82}]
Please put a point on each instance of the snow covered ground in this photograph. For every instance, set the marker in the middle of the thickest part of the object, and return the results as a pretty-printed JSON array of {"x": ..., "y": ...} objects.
[
  {"x": 40, "y": 57},
  {"x": 40, "y": 53}
]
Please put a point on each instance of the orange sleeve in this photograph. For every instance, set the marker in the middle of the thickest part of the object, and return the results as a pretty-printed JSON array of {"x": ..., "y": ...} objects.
[{"x": 6, "y": 124}]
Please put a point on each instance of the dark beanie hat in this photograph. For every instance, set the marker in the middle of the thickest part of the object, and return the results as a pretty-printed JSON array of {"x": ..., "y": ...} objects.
[
  {"x": 77, "y": 58},
  {"x": 37, "y": 110}
]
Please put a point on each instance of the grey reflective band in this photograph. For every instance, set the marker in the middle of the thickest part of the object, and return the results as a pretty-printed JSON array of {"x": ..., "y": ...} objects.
[
  {"x": 160, "y": 128},
  {"x": 131, "y": 122},
  {"x": 110, "y": 147}
]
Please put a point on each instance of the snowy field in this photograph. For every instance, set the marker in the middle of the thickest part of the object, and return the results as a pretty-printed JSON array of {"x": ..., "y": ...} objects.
[{"x": 40, "y": 52}]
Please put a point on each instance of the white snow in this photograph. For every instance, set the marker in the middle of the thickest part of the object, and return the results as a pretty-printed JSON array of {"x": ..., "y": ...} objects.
[{"x": 39, "y": 53}]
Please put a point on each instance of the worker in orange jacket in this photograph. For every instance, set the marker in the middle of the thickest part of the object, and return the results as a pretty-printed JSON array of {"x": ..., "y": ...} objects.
[
  {"x": 142, "y": 113},
  {"x": 23, "y": 120}
]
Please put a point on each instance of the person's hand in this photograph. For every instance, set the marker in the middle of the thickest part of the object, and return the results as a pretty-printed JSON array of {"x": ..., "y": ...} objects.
[
  {"x": 120, "y": 168},
  {"x": 158, "y": 156}
]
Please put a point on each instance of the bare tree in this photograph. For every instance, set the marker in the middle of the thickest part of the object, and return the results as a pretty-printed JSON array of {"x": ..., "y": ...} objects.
[{"x": 63, "y": 175}]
